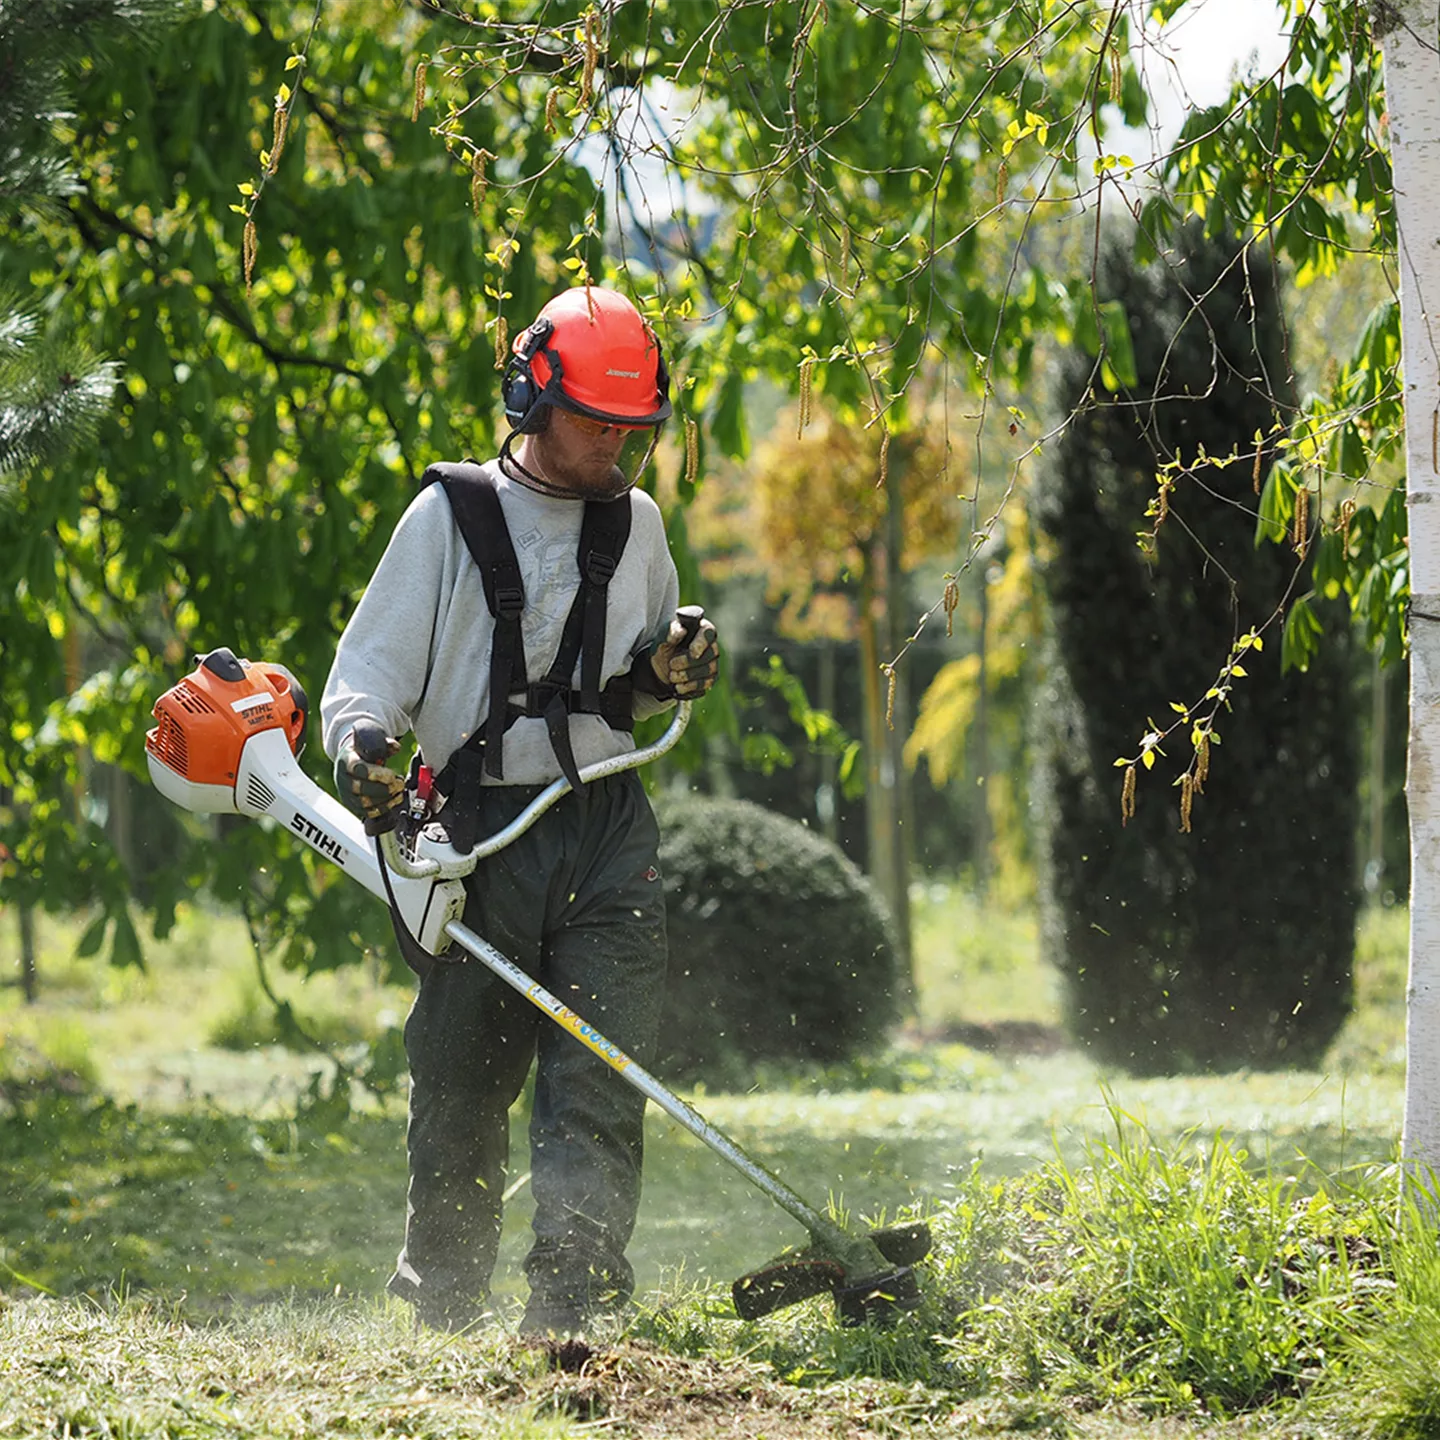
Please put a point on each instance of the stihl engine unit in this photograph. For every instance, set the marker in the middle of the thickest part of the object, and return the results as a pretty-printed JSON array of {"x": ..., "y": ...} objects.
[{"x": 226, "y": 743}]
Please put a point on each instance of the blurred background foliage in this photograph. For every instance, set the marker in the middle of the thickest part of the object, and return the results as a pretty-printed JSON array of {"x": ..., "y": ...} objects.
[{"x": 260, "y": 258}]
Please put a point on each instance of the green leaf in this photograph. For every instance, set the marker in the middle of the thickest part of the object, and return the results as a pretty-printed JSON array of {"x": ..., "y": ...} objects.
[
  {"x": 1083, "y": 318},
  {"x": 1327, "y": 566},
  {"x": 766, "y": 753},
  {"x": 1272, "y": 520},
  {"x": 125, "y": 943},
  {"x": 727, "y": 424},
  {"x": 1299, "y": 639},
  {"x": 1119, "y": 350},
  {"x": 93, "y": 936}
]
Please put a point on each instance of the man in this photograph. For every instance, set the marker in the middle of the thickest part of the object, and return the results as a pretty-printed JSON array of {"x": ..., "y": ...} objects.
[{"x": 495, "y": 575}]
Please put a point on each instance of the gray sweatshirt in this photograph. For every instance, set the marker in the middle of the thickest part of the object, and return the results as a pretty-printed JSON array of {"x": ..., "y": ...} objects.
[{"x": 415, "y": 655}]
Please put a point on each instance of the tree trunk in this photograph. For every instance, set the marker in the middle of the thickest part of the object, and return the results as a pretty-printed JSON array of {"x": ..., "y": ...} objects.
[
  {"x": 1373, "y": 879},
  {"x": 827, "y": 804},
  {"x": 29, "y": 973},
  {"x": 877, "y": 827},
  {"x": 120, "y": 823},
  {"x": 881, "y": 811},
  {"x": 1412, "y": 92},
  {"x": 897, "y": 729},
  {"x": 984, "y": 832}
]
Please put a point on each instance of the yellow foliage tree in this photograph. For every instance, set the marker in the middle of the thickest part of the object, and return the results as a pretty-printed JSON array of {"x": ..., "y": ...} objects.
[
  {"x": 819, "y": 515},
  {"x": 833, "y": 516},
  {"x": 972, "y": 719}
]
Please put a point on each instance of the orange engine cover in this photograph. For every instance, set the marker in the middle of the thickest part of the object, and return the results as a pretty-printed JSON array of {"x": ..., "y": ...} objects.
[{"x": 205, "y": 720}]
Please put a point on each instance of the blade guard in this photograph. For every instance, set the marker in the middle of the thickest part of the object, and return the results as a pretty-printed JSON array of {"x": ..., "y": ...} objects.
[{"x": 860, "y": 1300}]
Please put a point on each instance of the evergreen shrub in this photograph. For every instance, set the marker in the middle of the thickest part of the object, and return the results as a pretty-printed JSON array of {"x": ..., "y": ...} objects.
[
  {"x": 1232, "y": 945},
  {"x": 780, "y": 948}
]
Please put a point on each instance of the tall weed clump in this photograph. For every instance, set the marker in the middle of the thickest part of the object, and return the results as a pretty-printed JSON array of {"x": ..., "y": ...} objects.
[
  {"x": 1177, "y": 1279},
  {"x": 1387, "y": 1386}
]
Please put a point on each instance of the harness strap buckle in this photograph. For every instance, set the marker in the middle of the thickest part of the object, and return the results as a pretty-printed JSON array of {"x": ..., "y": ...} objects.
[
  {"x": 540, "y": 695},
  {"x": 600, "y": 567}
]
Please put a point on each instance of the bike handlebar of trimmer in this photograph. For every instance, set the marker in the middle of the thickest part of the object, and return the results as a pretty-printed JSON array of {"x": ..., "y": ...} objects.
[{"x": 433, "y": 869}]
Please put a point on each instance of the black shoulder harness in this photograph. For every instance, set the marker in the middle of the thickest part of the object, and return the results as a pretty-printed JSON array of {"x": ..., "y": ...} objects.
[{"x": 603, "y": 533}]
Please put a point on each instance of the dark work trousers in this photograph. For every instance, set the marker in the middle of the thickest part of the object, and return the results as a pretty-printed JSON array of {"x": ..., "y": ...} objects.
[{"x": 577, "y": 903}]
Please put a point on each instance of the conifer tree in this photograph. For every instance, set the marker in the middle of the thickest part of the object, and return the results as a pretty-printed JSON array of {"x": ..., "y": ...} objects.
[
  {"x": 53, "y": 388},
  {"x": 1233, "y": 944}
]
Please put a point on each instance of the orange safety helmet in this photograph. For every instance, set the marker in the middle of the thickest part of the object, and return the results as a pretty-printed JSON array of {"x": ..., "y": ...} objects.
[{"x": 590, "y": 352}]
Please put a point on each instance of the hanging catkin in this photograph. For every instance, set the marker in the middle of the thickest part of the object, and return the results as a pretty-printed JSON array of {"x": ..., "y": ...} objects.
[
  {"x": 952, "y": 599},
  {"x": 692, "y": 451},
  {"x": 478, "y": 182},
  {"x": 277, "y": 141},
  {"x": 592, "y": 55},
  {"x": 248, "y": 250},
  {"x": 1300, "y": 530}
]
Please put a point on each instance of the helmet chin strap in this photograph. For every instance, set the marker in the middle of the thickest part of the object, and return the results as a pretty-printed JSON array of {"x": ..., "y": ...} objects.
[{"x": 538, "y": 483}]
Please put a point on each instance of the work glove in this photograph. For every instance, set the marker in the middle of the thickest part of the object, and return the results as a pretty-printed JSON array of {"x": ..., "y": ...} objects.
[
  {"x": 686, "y": 662},
  {"x": 364, "y": 783}
]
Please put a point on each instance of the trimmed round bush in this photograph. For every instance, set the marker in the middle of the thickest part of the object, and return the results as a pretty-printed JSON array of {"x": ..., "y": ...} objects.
[{"x": 780, "y": 949}]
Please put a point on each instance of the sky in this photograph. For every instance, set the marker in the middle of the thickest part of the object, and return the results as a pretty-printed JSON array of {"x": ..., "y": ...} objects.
[
  {"x": 1189, "y": 64},
  {"x": 1194, "y": 58}
]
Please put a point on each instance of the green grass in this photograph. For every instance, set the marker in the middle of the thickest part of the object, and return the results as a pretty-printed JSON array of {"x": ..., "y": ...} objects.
[
  {"x": 194, "y": 1024},
  {"x": 1155, "y": 1280},
  {"x": 1102, "y": 1243},
  {"x": 978, "y": 963},
  {"x": 135, "y": 1368},
  {"x": 1373, "y": 1041},
  {"x": 1170, "y": 1276}
]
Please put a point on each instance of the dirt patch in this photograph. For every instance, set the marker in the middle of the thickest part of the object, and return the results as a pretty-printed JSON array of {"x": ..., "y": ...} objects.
[
  {"x": 640, "y": 1391},
  {"x": 635, "y": 1391}
]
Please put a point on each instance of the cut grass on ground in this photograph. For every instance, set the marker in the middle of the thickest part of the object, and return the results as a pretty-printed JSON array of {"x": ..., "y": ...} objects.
[
  {"x": 358, "y": 1370},
  {"x": 1152, "y": 1281}
]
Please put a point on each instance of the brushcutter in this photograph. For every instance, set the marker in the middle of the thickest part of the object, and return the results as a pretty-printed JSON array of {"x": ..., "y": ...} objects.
[{"x": 226, "y": 742}]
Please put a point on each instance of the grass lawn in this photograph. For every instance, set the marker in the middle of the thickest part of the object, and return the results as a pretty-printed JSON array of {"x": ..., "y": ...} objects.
[{"x": 181, "y": 1175}]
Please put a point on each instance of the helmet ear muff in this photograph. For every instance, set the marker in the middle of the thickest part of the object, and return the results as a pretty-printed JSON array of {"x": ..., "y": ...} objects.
[{"x": 520, "y": 391}]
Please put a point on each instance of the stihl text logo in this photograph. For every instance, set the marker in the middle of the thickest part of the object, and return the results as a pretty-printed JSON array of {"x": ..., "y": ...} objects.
[{"x": 327, "y": 845}]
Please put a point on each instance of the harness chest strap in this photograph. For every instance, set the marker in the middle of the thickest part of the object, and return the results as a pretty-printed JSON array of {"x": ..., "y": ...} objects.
[{"x": 604, "y": 531}]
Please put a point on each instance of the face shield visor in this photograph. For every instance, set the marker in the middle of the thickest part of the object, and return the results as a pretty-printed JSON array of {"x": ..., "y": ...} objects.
[{"x": 630, "y": 447}]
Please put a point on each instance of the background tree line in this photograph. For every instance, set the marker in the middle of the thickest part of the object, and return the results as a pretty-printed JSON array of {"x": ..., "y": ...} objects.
[{"x": 301, "y": 241}]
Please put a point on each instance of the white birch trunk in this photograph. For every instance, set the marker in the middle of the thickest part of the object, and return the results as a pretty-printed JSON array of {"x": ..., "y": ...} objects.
[{"x": 1412, "y": 93}]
